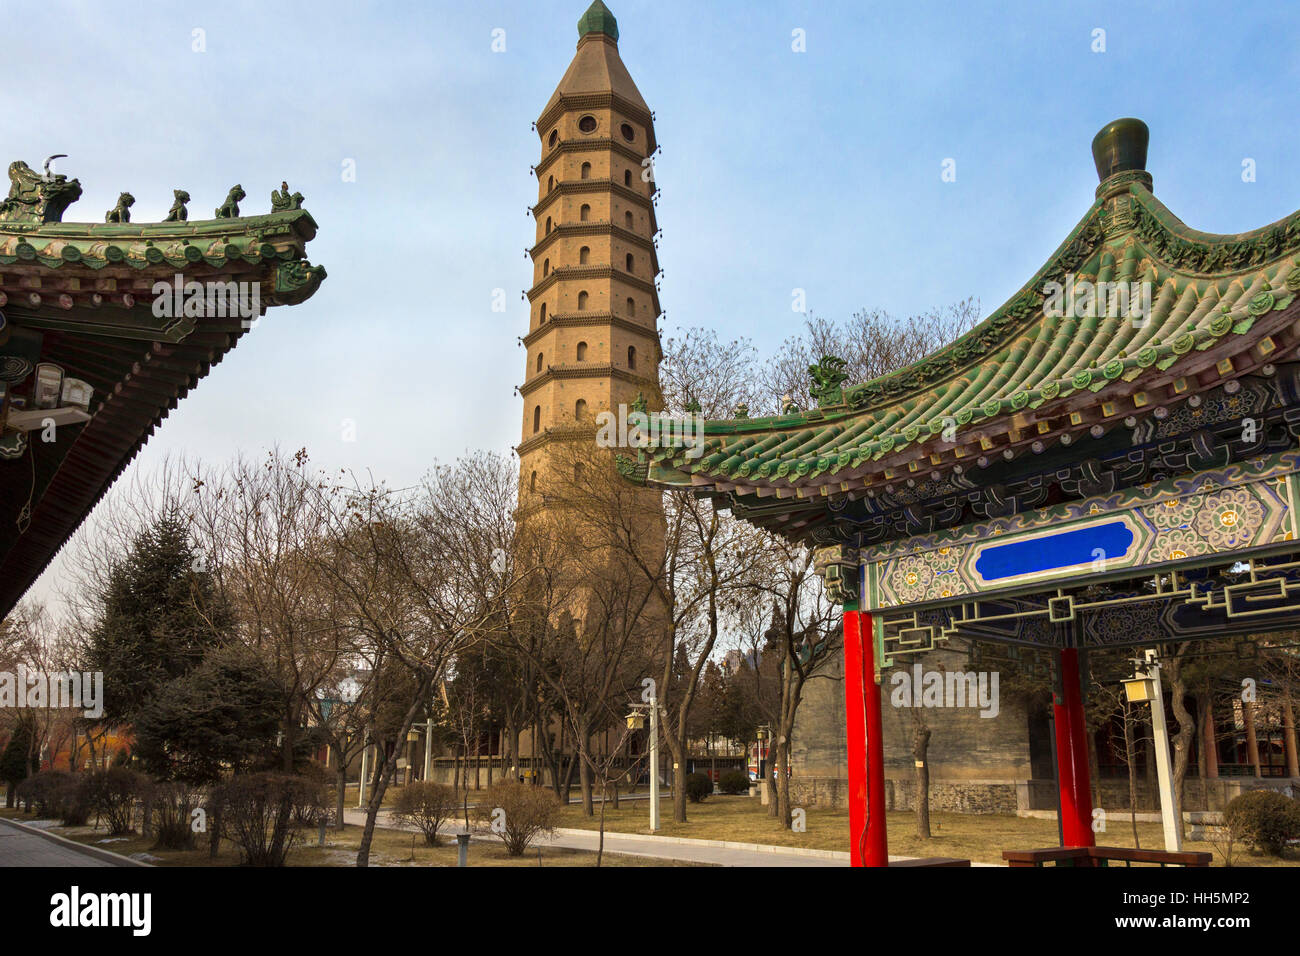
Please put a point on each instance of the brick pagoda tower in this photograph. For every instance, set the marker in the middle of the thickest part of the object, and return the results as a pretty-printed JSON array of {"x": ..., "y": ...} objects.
[{"x": 592, "y": 341}]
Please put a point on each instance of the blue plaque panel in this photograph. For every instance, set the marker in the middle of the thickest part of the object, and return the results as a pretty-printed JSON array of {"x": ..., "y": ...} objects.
[{"x": 1049, "y": 552}]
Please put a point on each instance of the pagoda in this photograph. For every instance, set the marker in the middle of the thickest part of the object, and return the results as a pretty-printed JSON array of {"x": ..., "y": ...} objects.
[{"x": 593, "y": 341}]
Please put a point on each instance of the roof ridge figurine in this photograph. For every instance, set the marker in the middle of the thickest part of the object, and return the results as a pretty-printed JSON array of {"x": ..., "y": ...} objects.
[
  {"x": 122, "y": 211},
  {"x": 230, "y": 208},
  {"x": 282, "y": 201},
  {"x": 178, "y": 212},
  {"x": 36, "y": 198}
]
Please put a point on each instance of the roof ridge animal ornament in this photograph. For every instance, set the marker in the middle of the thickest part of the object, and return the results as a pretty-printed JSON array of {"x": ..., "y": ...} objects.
[
  {"x": 230, "y": 208},
  {"x": 178, "y": 212},
  {"x": 828, "y": 378},
  {"x": 122, "y": 211},
  {"x": 282, "y": 201},
  {"x": 34, "y": 197},
  {"x": 46, "y": 165}
]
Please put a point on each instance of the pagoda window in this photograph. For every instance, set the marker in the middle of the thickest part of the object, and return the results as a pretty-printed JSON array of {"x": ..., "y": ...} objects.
[
  {"x": 583, "y": 255},
  {"x": 546, "y": 268},
  {"x": 550, "y": 183},
  {"x": 582, "y": 351},
  {"x": 584, "y": 213},
  {"x": 586, "y": 171},
  {"x": 582, "y": 301},
  {"x": 629, "y": 262},
  {"x": 548, "y": 225},
  {"x": 631, "y": 356},
  {"x": 631, "y": 306},
  {"x": 554, "y": 137},
  {"x": 537, "y": 419},
  {"x": 541, "y": 315},
  {"x": 627, "y": 177},
  {"x": 532, "y": 481},
  {"x": 577, "y": 472},
  {"x": 628, "y": 220},
  {"x": 580, "y": 409},
  {"x": 539, "y": 361}
]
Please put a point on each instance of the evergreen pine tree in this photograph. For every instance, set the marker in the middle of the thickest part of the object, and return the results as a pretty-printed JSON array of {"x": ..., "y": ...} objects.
[{"x": 161, "y": 612}]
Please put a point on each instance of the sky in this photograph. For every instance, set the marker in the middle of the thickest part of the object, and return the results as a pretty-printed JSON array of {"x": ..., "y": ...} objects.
[{"x": 816, "y": 169}]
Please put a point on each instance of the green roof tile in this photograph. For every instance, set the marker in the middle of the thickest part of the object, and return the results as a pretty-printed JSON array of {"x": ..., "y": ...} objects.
[
  {"x": 1208, "y": 291},
  {"x": 598, "y": 19}
]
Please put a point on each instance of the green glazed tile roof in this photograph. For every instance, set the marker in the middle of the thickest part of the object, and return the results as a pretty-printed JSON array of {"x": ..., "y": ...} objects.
[
  {"x": 217, "y": 242},
  {"x": 598, "y": 19},
  {"x": 1220, "y": 305}
]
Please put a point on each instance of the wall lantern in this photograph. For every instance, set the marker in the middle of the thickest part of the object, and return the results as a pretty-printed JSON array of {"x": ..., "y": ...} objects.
[
  {"x": 49, "y": 385},
  {"x": 77, "y": 392}
]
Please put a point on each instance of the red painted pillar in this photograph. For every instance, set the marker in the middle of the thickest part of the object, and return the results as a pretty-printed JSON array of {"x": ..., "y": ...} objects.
[
  {"x": 1072, "y": 753},
  {"x": 866, "y": 750}
]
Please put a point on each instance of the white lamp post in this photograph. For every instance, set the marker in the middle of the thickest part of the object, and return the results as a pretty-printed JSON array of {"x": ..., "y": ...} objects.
[
  {"x": 361, "y": 783},
  {"x": 1144, "y": 688},
  {"x": 635, "y": 721},
  {"x": 428, "y": 749}
]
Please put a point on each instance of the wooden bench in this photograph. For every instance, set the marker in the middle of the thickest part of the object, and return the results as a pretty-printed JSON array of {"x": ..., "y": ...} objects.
[{"x": 1100, "y": 856}]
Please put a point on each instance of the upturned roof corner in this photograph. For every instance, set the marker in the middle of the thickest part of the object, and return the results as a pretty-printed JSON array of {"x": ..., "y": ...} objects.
[{"x": 1043, "y": 366}]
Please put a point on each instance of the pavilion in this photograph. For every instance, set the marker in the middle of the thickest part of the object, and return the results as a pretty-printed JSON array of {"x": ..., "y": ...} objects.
[
  {"x": 1110, "y": 459},
  {"x": 104, "y": 328}
]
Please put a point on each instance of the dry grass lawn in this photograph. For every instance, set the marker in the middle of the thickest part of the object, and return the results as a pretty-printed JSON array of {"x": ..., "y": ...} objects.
[
  {"x": 980, "y": 838},
  {"x": 388, "y": 848}
]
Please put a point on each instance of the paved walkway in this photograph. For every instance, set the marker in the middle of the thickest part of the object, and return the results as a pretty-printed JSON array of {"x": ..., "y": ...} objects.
[
  {"x": 662, "y": 848},
  {"x": 21, "y": 847}
]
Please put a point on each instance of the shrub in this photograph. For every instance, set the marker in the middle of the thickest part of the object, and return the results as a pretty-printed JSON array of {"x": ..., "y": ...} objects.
[
  {"x": 111, "y": 795},
  {"x": 258, "y": 813},
  {"x": 698, "y": 787},
  {"x": 1264, "y": 819},
  {"x": 425, "y": 805},
  {"x": 312, "y": 807},
  {"x": 74, "y": 801},
  {"x": 527, "y": 812},
  {"x": 734, "y": 781},
  {"x": 172, "y": 806},
  {"x": 43, "y": 793}
]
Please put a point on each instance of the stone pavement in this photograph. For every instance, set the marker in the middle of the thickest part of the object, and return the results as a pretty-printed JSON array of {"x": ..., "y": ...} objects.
[{"x": 21, "y": 847}]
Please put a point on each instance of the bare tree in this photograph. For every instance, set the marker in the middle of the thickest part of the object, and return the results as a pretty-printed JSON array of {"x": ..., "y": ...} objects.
[
  {"x": 872, "y": 343},
  {"x": 420, "y": 577},
  {"x": 262, "y": 526}
]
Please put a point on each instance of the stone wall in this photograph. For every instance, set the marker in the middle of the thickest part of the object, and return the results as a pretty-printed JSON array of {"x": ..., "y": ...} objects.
[
  {"x": 965, "y": 747},
  {"x": 977, "y": 764},
  {"x": 964, "y": 796}
]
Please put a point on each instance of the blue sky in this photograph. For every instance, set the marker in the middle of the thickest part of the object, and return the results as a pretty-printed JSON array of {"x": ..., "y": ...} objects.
[{"x": 817, "y": 170}]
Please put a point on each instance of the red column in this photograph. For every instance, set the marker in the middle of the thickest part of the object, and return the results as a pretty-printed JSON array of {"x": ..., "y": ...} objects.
[
  {"x": 866, "y": 751},
  {"x": 1072, "y": 753}
]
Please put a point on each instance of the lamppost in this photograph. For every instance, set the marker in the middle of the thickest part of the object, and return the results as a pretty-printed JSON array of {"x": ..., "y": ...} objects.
[
  {"x": 763, "y": 733},
  {"x": 412, "y": 736},
  {"x": 428, "y": 748},
  {"x": 349, "y": 691},
  {"x": 365, "y": 755},
  {"x": 636, "y": 720},
  {"x": 1144, "y": 688}
]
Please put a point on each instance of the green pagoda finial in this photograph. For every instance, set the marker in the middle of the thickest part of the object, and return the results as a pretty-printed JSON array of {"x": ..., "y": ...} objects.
[
  {"x": 598, "y": 19},
  {"x": 1121, "y": 146}
]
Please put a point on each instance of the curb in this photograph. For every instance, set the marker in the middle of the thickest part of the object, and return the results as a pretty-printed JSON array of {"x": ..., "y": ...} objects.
[{"x": 109, "y": 856}]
